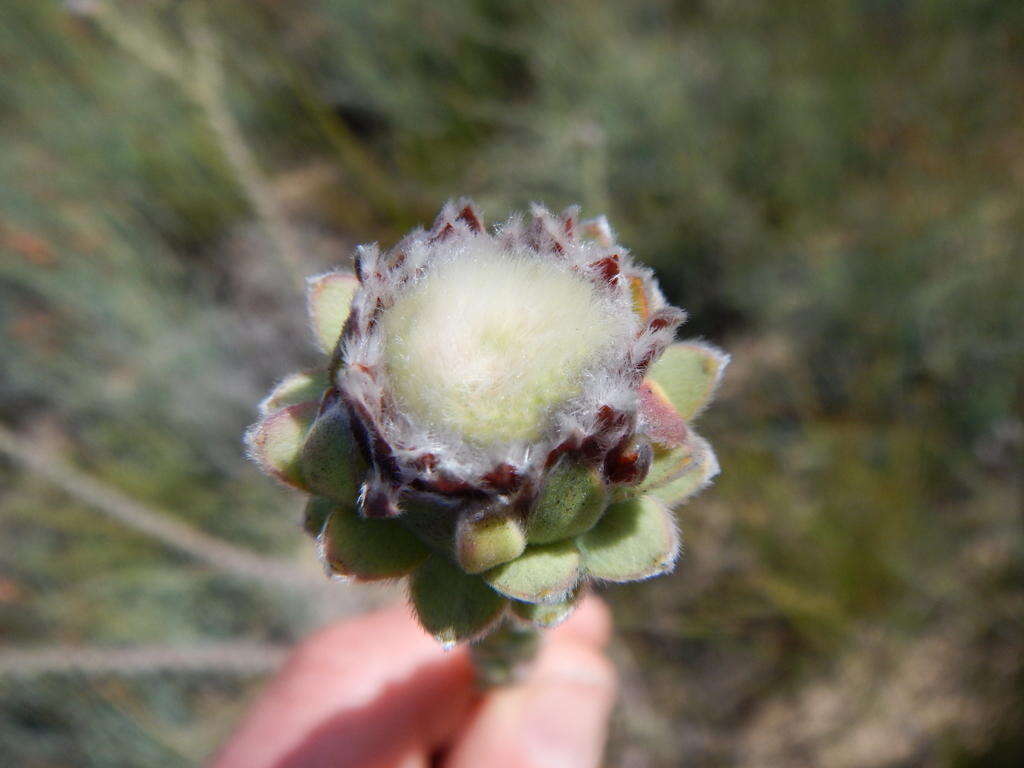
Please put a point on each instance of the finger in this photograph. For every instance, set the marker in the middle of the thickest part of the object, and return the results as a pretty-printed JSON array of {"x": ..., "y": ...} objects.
[
  {"x": 556, "y": 718},
  {"x": 360, "y": 693},
  {"x": 590, "y": 623},
  {"x": 414, "y": 758}
]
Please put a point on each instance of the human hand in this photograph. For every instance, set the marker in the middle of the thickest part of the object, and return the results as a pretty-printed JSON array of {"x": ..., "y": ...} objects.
[{"x": 377, "y": 692}]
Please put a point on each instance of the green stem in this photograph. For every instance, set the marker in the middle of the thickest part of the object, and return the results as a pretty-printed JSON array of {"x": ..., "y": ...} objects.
[{"x": 503, "y": 656}]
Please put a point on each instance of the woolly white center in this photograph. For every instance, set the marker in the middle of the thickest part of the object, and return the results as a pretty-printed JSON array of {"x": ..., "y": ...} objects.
[{"x": 488, "y": 344}]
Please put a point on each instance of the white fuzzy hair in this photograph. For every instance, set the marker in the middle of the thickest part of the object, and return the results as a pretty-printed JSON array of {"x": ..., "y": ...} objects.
[{"x": 586, "y": 281}]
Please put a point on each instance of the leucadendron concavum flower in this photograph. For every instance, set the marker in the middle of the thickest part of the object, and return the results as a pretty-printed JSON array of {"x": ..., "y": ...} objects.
[{"x": 502, "y": 418}]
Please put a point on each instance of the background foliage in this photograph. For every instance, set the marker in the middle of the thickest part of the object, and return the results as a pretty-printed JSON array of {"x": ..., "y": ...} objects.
[{"x": 833, "y": 190}]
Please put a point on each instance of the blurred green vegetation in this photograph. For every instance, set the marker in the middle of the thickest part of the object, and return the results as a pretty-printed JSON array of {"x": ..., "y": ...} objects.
[{"x": 833, "y": 190}]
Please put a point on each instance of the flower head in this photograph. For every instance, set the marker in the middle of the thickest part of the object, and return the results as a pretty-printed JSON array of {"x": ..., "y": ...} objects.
[{"x": 503, "y": 417}]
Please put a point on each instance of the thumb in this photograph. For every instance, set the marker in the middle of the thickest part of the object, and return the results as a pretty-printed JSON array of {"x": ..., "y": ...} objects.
[{"x": 557, "y": 717}]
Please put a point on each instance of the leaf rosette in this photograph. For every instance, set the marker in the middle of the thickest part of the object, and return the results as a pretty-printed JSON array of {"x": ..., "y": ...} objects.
[{"x": 503, "y": 416}]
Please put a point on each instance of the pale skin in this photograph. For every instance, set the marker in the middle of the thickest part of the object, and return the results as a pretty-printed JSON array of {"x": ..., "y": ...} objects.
[{"x": 378, "y": 692}]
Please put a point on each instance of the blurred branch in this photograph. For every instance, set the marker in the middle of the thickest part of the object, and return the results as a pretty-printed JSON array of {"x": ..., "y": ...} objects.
[
  {"x": 217, "y": 554},
  {"x": 200, "y": 76},
  {"x": 207, "y": 88},
  {"x": 226, "y": 658}
]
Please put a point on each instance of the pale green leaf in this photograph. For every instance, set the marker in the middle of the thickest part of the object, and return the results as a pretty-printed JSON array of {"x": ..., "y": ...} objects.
[
  {"x": 304, "y": 386},
  {"x": 330, "y": 299},
  {"x": 691, "y": 475},
  {"x": 275, "y": 442},
  {"x": 451, "y": 604},
  {"x": 487, "y": 541},
  {"x": 687, "y": 375},
  {"x": 546, "y": 615},
  {"x": 368, "y": 548},
  {"x": 543, "y": 573},
  {"x": 636, "y": 539},
  {"x": 571, "y": 501},
  {"x": 330, "y": 461}
]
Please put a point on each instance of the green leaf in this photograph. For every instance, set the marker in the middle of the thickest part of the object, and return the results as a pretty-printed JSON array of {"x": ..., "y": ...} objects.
[
  {"x": 451, "y": 604},
  {"x": 314, "y": 517},
  {"x": 367, "y": 548},
  {"x": 670, "y": 464},
  {"x": 676, "y": 474},
  {"x": 687, "y": 375},
  {"x": 692, "y": 475},
  {"x": 305, "y": 386},
  {"x": 275, "y": 442},
  {"x": 546, "y": 615},
  {"x": 484, "y": 542},
  {"x": 330, "y": 461},
  {"x": 636, "y": 539},
  {"x": 571, "y": 501},
  {"x": 544, "y": 573},
  {"x": 432, "y": 519},
  {"x": 330, "y": 297}
]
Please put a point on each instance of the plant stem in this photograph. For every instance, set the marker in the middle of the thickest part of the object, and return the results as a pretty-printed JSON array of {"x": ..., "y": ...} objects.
[{"x": 503, "y": 657}]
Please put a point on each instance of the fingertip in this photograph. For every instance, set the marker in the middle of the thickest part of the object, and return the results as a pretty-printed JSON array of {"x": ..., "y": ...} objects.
[
  {"x": 590, "y": 623},
  {"x": 574, "y": 662},
  {"x": 416, "y": 758},
  {"x": 557, "y": 717}
]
